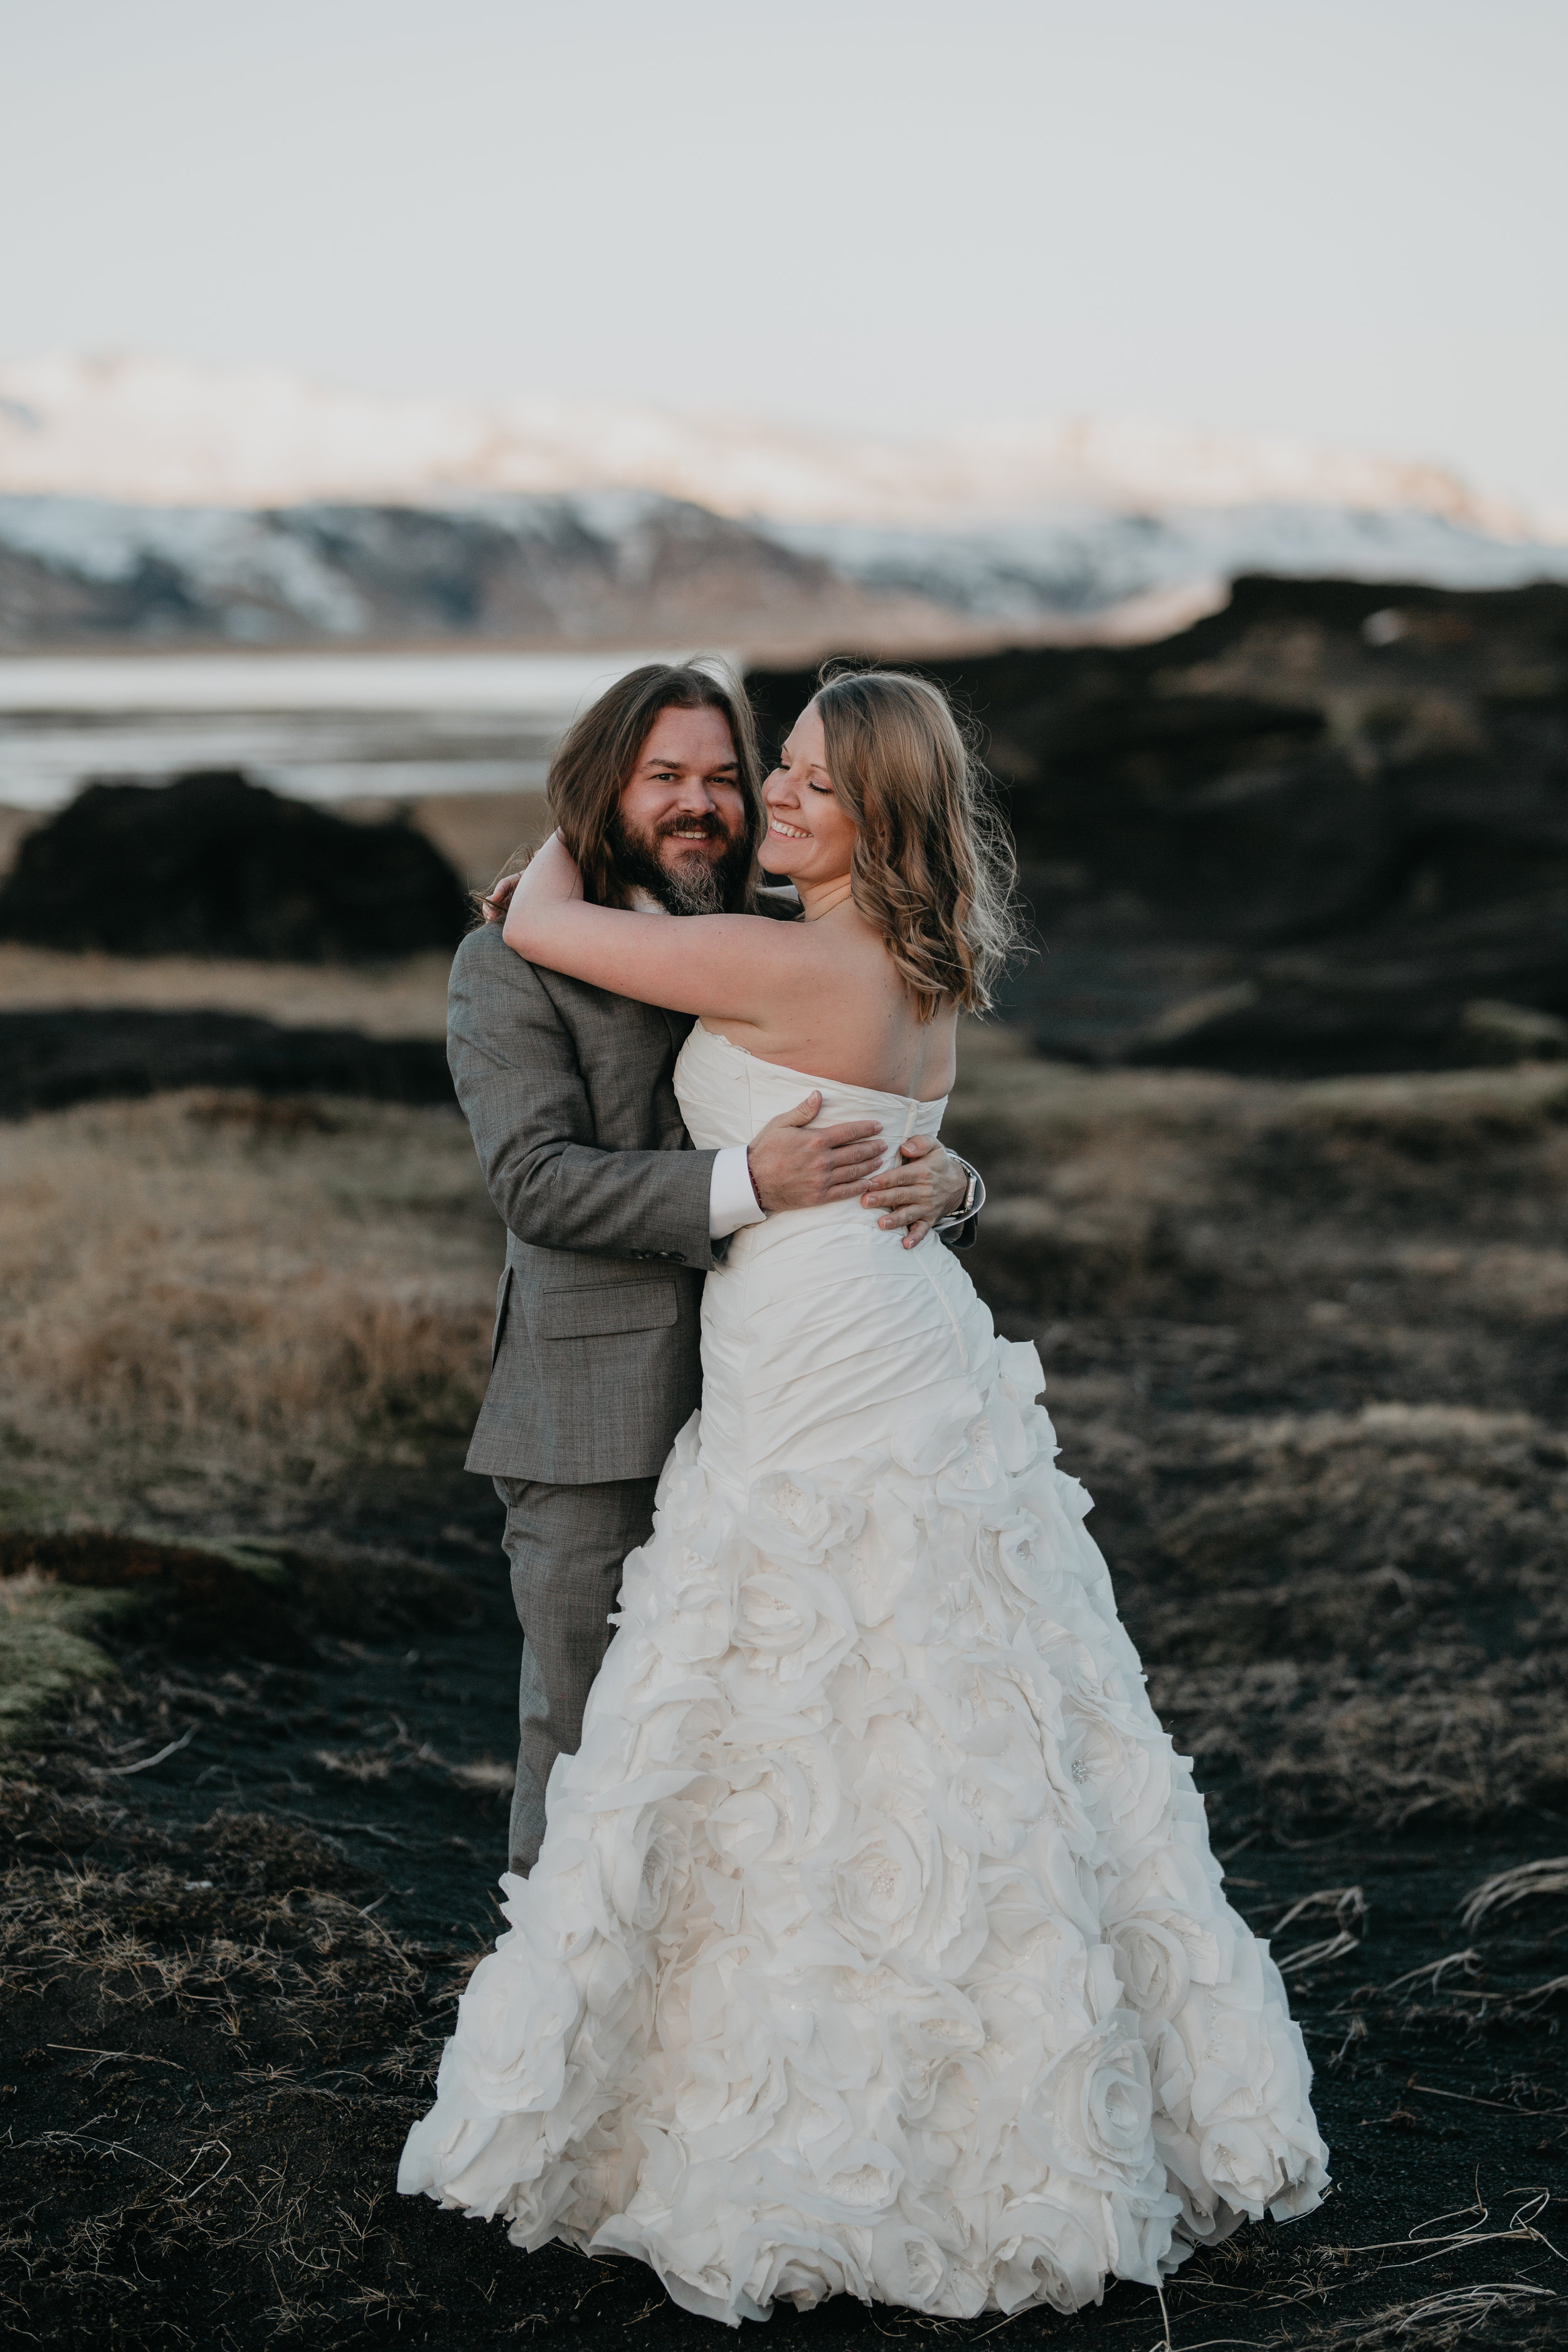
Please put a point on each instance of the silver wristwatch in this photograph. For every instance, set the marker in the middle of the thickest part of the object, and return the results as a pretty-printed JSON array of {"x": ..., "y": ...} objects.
[{"x": 973, "y": 1202}]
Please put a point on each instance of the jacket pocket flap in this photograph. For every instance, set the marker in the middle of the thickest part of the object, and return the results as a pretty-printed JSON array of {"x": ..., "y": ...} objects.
[{"x": 596, "y": 1313}]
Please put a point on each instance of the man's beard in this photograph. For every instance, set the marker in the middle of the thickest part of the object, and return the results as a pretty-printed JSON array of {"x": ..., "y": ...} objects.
[{"x": 696, "y": 884}]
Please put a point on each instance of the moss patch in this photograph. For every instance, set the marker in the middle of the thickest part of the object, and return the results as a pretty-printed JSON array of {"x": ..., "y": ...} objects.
[
  {"x": 47, "y": 1654},
  {"x": 250, "y": 1600}
]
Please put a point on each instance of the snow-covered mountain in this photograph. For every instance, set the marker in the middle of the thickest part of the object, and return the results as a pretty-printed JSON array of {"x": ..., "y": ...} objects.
[
  {"x": 153, "y": 500},
  {"x": 165, "y": 432},
  {"x": 631, "y": 566},
  {"x": 602, "y": 567},
  {"x": 1087, "y": 562}
]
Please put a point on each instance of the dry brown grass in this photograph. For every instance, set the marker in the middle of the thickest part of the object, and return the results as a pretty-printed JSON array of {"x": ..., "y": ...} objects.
[
  {"x": 220, "y": 1288},
  {"x": 405, "y": 999}
]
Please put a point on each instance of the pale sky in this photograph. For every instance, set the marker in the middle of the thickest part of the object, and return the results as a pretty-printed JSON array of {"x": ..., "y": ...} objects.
[{"x": 1346, "y": 217}]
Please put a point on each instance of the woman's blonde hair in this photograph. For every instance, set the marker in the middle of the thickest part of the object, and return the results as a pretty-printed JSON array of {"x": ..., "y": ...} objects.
[{"x": 933, "y": 866}]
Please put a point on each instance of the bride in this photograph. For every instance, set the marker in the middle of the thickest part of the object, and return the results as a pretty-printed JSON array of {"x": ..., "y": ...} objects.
[{"x": 875, "y": 1947}]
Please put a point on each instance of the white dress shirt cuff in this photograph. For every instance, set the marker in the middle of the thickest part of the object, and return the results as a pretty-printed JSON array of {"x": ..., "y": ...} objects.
[{"x": 731, "y": 1203}]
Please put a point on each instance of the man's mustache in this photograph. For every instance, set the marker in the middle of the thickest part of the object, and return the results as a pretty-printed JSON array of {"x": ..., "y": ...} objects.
[{"x": 708, "y": 827}]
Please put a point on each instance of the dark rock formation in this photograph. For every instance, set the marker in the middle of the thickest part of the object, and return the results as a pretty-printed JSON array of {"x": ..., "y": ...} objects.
[
  {"x": 49, "y": 1059},
  {"x": 213, "y": 866},
  {"x": 1304, "y": 835}
]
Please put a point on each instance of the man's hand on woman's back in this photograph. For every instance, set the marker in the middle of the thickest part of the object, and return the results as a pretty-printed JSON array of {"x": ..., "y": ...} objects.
[{"x": 794, "y": 1165}]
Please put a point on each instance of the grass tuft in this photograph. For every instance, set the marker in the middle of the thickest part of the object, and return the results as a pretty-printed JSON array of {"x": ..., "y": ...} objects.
[{"x": 1507, "y": 1887}]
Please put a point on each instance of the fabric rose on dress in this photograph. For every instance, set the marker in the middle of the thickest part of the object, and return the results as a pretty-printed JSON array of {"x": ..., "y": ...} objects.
[
  {"x": 903, "y": 1875},
  {"x": 1011, "y": 1434},
  {"x": 1173, "y": 2070},
  {"x": 851, "y": 2181},
  {"x": 798, "y": 1521},
  {"x": 690, "y": 1625},
  {"x": 1012, "y": 1777},
  {"x": 1309, "y": 2163},
  {"x": 1041, "y": 1910},
  {"x": 1205, "y": 2216},
  {"x": 1091, "y": 2112},
  {"x": 876, "y": 1886},
  {"x": 780, "y": 2261},
  {"x": 1046, "y": 2254},
  {"x": 1140, "y": 2235},
  {"x": 681, "y": 2224},
  {"x": 1123, "y": 1767},
  {"x": 1021, "y": 1374},
  {"x": 781, "y": 1804},
  {"x": 925, "y": 2025},
  {"x": 1243, "y": 2164},
  {"x": 972, "y": 1476},
  {"x": 725, "y": 2092},
  {"x": 788, "y": 1629},
  {"x": 946, "y": 2137},
  {"x": 1233, "y": 2049},
  {"x": 1176, "y": 1878},
  {"x": 515, "y": 2026},
  {"x": 1000, "y": 1793},
  {"x": 910, "y": 2268},
  {"x": 1151, "y": 1962},
  {"x": 471, "y": 2161},
  {"x": 888, "y": 1552},
  {"x": 645, "y": 1860},
  {"x": 1023, "y": 1559}
]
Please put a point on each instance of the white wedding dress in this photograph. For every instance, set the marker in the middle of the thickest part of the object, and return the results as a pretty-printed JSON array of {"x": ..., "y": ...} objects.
[{"x": 875, "y": 1947}]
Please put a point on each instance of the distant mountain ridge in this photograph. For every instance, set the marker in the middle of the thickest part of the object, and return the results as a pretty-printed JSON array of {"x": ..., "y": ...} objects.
[
  {"x": 171, "y": 433},
  {"x": 153, "y": 501},
  {"x": 633, "y": 567},
  {"x": 606, "y": 568}
]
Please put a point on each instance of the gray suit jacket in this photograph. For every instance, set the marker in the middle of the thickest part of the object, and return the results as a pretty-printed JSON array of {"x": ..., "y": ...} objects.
[{"x": 596, "y": 1360}]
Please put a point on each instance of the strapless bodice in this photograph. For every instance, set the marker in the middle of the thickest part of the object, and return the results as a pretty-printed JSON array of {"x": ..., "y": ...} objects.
[
  {"x": 727, "y": 1095},
  {"x": 820, "y": 1330}
]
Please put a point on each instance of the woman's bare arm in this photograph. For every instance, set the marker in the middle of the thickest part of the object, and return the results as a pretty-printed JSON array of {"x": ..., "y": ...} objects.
[{"x": 730, "y": 966}]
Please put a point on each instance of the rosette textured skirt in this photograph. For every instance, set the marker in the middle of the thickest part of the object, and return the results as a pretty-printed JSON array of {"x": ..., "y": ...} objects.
[{"x": 875, "y": 1947}]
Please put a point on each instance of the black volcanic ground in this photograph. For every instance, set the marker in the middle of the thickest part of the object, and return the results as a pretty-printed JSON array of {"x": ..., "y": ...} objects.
[{"x": 1303, "y": 1327}]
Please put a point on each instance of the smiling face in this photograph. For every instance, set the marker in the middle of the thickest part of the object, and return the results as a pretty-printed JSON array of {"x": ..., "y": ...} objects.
[
  {"x": 679, "y": 828},
  {"x": 810, "y": 835}
]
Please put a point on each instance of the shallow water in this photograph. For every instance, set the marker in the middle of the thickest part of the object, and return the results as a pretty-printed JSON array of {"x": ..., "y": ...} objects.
[{"x": 318, "y": 725}]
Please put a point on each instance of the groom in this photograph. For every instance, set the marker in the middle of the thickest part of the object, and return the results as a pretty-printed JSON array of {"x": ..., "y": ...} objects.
[{"x": 611, "y": 1218}]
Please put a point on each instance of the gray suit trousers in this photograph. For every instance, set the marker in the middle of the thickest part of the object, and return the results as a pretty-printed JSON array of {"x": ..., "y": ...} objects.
[{"x": 566, "y": 1546}]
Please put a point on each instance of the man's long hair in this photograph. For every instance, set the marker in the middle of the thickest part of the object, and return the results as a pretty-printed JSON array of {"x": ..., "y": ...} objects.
[{"x": 598, "y": 755}]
